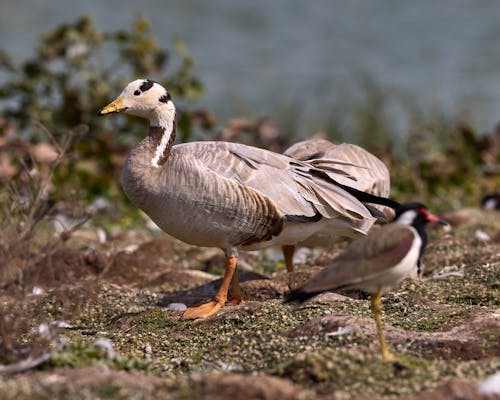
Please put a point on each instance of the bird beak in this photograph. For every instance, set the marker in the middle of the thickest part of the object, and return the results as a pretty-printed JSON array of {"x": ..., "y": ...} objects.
[
  {"x": 442, "y": 222},
  {"x": 435, "y": 218},
  {"x": 114, "y": 107}
]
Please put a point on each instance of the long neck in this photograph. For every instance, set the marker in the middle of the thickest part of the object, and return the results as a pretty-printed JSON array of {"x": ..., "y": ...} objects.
[{"x": 162, "y": 131}]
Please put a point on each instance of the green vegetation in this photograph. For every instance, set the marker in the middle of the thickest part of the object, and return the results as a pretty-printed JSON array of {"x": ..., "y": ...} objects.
[
  {"x": 82, "y": 354},
  {"x": 76, "y": 70}
]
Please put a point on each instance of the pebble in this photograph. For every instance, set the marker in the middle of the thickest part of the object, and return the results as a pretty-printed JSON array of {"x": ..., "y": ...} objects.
[
  {"x": 490, "y": 386},
  {"x": 44, "y": 330},
  {"x": 107, "y": 346},
  {"x": 131, "y": 248},
  {"x": 62, "y": 324},
  {"x": 482, "y": 235},
  {"x": 176, "y": 307},
  {"x": 340, "y": 331},
  {"x": 37, "y": 291}
]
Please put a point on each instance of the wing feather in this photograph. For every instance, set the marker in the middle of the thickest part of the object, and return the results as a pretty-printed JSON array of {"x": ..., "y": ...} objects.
[
  {"x": 288, "y": 182},
  {"x": 370, "y": 173}
]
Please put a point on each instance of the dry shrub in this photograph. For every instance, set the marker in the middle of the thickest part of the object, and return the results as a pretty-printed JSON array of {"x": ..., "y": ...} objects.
[{"x": 29, "y": 238}]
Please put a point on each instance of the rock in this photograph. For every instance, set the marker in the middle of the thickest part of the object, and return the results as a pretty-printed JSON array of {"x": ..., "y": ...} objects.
[{"x": 176, "y": 307}]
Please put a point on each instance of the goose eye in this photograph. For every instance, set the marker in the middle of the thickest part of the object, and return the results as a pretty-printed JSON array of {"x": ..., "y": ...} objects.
[{"x": 137, "y": 93}]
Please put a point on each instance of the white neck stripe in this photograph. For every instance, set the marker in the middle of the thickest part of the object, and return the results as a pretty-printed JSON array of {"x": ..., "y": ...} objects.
[
  {"x": 166, "y": 122},
  {"x": 160, "y": 150}
]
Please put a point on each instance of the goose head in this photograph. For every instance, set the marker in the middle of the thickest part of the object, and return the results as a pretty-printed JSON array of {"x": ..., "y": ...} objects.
[{"x": 146, "y": 99}]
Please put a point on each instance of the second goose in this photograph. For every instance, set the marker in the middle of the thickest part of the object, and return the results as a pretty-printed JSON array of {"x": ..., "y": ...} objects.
[{"x": 363, "y": 171}]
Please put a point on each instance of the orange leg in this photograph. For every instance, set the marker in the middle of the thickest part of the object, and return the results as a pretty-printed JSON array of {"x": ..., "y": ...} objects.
[
  {"x": 213, "y": 306},
  {"x": 288, "y": 254},
  {"x": 236, "y": 292}
]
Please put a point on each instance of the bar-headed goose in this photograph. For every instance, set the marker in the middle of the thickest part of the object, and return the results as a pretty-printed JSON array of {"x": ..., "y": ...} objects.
[
  {"x": 362, "y": 171},
  {"x": 227, "y": 195}
]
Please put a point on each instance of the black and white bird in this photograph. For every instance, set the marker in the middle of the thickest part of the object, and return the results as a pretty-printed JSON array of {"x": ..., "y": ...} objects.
[
  {"x": 491, "y": 201},
  {"x": 376, "y": 262}
]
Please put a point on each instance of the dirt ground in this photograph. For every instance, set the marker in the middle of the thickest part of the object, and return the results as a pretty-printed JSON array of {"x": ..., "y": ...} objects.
[{"x": 101, "y": 320}]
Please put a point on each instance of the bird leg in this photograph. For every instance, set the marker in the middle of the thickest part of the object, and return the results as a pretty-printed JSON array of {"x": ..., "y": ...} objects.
[
  {"x": 376, "y": 307},
  {"x": 288, "y": 255},
  {"x": 236, "y": 292},
  {"x": 213, "y": 306}
]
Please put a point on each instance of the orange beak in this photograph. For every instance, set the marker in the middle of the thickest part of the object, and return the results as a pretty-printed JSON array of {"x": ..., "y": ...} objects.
[{"x": 115, "y": 106}]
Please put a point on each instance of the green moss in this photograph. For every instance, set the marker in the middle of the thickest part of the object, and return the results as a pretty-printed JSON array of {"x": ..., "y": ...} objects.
[
  {"x": 156, "y": 319},
  {"x": 108, "y": 390},
  {"x": 492, "y": 339},
  {"x": 418, "y": 316},
  {"x": 256, "y": 337},
  {"x": 362, "y": 371},
  {"x": 80, "y": 353},
  {"x": 478, "y": 287}
]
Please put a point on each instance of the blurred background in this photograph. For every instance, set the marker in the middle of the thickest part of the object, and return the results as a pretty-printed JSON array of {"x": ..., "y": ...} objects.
[
  {"x": 261, "y": 57},
  {"x": 417, "y": 84}
]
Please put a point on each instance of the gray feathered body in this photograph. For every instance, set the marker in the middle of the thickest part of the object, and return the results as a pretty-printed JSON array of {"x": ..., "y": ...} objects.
[
  {"x": 365, "y": 171},
  {"x": 231, "y": 195},
  {"x": 362, "y": 171}
]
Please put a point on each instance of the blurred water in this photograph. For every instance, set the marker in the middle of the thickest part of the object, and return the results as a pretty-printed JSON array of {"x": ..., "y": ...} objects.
[{"x": 255, "y": 57}]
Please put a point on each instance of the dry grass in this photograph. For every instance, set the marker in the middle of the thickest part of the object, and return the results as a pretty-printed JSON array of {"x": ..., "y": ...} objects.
[
  {"x": 60, "y": 298},
  {"x": 29, "y": 236}
]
